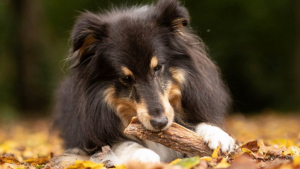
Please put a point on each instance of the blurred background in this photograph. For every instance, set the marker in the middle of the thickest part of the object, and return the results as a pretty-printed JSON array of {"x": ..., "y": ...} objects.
[{"x": 255, "y": 43}]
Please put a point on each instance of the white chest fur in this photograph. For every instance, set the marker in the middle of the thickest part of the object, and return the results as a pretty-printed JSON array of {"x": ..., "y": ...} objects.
[{"x": 166, "y": 154}]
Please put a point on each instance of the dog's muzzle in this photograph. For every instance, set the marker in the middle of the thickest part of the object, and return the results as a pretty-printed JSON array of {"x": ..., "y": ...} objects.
[{"x": 159, "y": 123}]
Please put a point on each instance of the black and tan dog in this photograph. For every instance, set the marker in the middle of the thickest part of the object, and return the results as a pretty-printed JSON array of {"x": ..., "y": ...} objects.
[{"x": 141, "y": 61}]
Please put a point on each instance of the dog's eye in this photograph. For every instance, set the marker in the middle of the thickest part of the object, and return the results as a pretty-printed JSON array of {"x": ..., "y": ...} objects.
[
  {"x": 184, "y": 22},
  {"x": 126, "y": 79},
  {"x": 157, "y": 68}
]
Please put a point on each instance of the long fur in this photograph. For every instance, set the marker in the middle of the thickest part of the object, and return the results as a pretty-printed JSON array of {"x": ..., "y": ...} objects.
[{"x": 102, "y": 43}]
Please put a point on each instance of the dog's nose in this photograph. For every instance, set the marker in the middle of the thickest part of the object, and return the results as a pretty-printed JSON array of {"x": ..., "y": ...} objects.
[{"x": 159, "y": 123}]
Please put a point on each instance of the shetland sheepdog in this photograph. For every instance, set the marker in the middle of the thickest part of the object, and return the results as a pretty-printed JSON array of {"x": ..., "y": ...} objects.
[{"x": 142, "y": 61}]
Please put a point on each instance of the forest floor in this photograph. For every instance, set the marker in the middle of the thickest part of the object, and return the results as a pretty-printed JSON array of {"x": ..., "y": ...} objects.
[{"x": 267, "y": 140}]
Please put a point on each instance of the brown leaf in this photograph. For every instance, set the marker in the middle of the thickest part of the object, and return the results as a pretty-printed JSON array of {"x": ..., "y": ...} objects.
[
  {"x": 252, "y": 145},
  {"x": 255, "y": 155},
  {"x": 243, "y": 161},
  {"x": 271, "y": 150},
  {"x": 277, "y": 163},
  {"x": 202, "y": 165},
  {"x": 10, "y": 160},
  {"x": 1, "y": 161}
]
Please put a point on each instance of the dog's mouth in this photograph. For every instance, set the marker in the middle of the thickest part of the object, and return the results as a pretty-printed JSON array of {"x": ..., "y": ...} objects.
[
  {"x": 155, "y": 124},
  {"x": 156, "y": 115},
  {"x": 135, "y": 120}
]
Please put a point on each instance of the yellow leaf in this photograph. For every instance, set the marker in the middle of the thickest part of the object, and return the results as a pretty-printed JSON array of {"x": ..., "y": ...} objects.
[
  {"x": 216, "y": 152},
  {"x": 223, "y": 164},
  {"x": 206, "y": 158},
  {"x": 86, "y": 164},
  {"x": 292, "y": 150},
  {"x": 175, "y": 161},
  {"x": 282, "y": 142},
  {"x": 122, "y": 166},
  {"x": 296, "y": 161},
  {"x": 246, "y": 150},
  {"x": 40, "y": 160}
]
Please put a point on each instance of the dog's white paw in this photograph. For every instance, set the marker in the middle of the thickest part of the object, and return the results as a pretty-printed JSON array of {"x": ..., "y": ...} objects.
[
  {"x": 146, "y": 155},
  {"x": 214, "y": 137}
]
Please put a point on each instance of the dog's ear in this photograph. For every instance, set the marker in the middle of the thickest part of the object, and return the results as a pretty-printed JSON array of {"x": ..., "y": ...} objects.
[
  {"x": 171, "y": 14},
  {"x": 87, "y": 34}
]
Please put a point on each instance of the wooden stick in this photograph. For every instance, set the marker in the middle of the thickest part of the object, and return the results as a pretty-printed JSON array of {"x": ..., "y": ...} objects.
[{"x": 175, "y": 137}]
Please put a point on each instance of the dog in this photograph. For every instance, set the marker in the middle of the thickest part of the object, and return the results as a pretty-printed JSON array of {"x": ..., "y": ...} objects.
[{"x": 142, "y": 61}]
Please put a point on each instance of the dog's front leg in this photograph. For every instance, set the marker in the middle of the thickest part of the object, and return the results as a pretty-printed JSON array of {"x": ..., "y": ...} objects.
[
  {"x": 69, "y": 157},
  {"x": 129, "y": 150},
  {"x": 215, "y": 136}
]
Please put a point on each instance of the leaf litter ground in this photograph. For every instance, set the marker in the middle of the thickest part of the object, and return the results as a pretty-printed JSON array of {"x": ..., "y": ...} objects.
[{"x": 268, "y": 140}]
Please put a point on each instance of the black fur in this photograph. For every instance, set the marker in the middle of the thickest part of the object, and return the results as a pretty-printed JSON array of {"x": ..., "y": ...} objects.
[{"x": 101, "y": 43}]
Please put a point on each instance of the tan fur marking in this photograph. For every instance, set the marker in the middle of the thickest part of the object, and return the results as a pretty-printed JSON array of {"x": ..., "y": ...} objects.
[
  {"x": 178, "y": 26},
  {"x": 87, "y": 41},
  {"x": 124, "y": 108},
  {"x": 169, "y": 112},
  {"x": 143, "y": 116},
  {"x": 177, "y": 23},
  {"x": 125, "y": 111},
  {"x": 154, "y": 62},
  {"x": 126, "y": 71},
  {"x": 109, "y": 96},
  {"x": 178, "y": 75},
  {"x": 174, "y": 96}
]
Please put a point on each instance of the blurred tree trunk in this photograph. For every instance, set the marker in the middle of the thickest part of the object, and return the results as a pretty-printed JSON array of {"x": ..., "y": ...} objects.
[
  {"x": 27, "y": 53},
  {"x": 297, "y": 50}
]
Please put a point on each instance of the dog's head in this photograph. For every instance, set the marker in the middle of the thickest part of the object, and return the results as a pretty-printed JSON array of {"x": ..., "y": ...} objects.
[{"x": 129, "y": 56}]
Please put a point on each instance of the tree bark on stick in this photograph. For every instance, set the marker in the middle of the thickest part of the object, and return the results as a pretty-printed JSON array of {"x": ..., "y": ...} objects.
[{"x": 175, "y": 137}]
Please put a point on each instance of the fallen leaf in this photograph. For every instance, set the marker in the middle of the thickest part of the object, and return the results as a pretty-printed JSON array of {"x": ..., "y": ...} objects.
[
  {"x": 122, "y": 166},
  {"x": 296, "y": 161},
  {"x": 292, "y": 150},
  {"x": 281, "y": 142},
  {"x": 10, "y": 160},
  {"x": 86, "y": 164},
  {"x": 252, "y": 145},
  {"x": 222, "y": 164},
  {"x": 275, "y": 164},
  {"x": 39, "y": 160},
  {"x": 243, "y": 161},
  {"x": 202, "y": 165},
  {"x": 174, "y": 161},
  {"x": 206, "y": 158},
  {"x": 270, "y": 150},
  {"x": 188, "y": 163},
  {"x": 246, "y": 150},
  {"x": 216, "y": 152}
]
